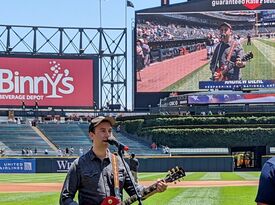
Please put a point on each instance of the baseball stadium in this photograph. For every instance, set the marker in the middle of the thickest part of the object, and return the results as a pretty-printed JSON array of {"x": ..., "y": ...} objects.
[{"x": 208, "y": 138}]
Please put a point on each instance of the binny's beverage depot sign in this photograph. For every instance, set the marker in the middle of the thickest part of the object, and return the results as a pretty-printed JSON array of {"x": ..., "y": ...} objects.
[{"x": 49, "y": 82}]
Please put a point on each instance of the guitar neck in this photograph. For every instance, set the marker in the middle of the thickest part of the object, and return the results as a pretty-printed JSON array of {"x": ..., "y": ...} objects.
[{"x": 145, "y": 193}]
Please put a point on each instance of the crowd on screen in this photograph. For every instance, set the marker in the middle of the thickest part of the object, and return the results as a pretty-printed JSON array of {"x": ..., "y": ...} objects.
[{"x": 154, "y": 31}]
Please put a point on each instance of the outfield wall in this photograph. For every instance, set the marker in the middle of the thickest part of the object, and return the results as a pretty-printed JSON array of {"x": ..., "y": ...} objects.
[
  {"x": 189, "y": 164},
  {"x": 147, "y": 164},
  {"x": 265, "y": 158}
]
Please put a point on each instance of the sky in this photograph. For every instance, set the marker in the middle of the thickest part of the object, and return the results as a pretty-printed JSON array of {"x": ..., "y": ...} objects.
[
  {"x": 77, "y": 13},
  {"x": 71, "y": 13}
]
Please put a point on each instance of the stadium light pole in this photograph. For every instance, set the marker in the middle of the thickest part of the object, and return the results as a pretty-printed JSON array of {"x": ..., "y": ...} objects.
[
  {"x": 129, "y": 4},
  {"x": 100, "y": 13}
]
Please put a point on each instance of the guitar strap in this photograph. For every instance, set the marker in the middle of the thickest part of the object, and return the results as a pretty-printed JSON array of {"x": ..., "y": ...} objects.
[
  {"x": 232, "y": 47},
  {"x": 115, "y": 172}
]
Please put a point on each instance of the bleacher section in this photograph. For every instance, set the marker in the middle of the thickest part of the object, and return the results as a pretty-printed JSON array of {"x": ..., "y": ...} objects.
[
  {"x": 65, "y": 135},
  {"x": 136, "y": 146},
  {"x": 76, "y": 135},
  {"x": 21, "y": 136},
  {"x": 15, "y": 137}
]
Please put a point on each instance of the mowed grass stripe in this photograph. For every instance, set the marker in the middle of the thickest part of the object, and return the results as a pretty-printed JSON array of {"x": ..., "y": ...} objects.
[
  {"x": 151, "y": 176},
  {"x": 191, "y": 81},
  {"x": 197, "y": 196},
  {"x": 268, "y": 42},
  {"x": 195, "y": 176},
  {"x": 211, "y": 176},
  {"x": 238, "y": 195},
  {"x": 267, "y": 50},
  {"x": 205, "y": 196},
  {"x": 163, "y": 198},
  {"x": 145, "y": 176},
  {"x": 247, "y": 175},
  {"x": 39, "y": 198},
  {"x": 32, "y": 178},
  {"x": 230, "y": 176},
  {"x": 257, "y": 174},
  {"x": 173, "y": 196},
  {"x": 259, "y": 67}
]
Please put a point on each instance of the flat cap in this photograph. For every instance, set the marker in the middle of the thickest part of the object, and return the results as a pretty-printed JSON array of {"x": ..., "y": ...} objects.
[
  {"x": 225, "y": 24},
  {"x": 96, "y": 121}
]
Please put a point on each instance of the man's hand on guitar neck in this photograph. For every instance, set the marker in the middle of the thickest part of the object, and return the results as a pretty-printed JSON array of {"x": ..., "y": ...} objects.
[
  {"x": 239, "y": 63},
  {"x": 161, "y": 186}
]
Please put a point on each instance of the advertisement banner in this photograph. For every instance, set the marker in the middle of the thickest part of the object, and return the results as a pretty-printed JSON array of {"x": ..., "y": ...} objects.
[
  {"x": 17, "y": 166},
  {"x": 237, "y": 84},
  {"x": 62, "y": 165},
  {"x": 213, "y": 5},
  {"x": 231, "y": 98},
  {"x": 46, "y": 82}
]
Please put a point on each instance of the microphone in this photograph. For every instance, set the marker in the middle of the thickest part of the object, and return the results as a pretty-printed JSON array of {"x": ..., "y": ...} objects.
[
  {"x": 223, "y": 35},
  {"x": 112, "y": 141}
]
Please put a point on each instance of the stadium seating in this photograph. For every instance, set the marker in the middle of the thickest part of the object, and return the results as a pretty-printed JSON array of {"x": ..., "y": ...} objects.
[
  {"x": 75, "y": 134},
  {"x": 136, "y": 146},
  {"x": 67, "y": 135},
  {"x": 21, "y": 136}
]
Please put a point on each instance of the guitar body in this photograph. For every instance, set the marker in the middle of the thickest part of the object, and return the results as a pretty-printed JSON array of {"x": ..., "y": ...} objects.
[
  {"x": 173, "y": 175},
  {"x": 220, "y": 73},
  {"x": 111, "y": 200}
]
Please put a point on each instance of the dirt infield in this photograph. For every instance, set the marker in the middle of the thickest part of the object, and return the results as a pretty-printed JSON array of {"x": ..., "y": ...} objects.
[
  {"x": 160, "y": 75},
  {"x": 56, "y": 187}
]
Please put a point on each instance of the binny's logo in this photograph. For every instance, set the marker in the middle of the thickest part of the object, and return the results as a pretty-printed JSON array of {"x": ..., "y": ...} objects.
[{"x": 53, "y": 85}]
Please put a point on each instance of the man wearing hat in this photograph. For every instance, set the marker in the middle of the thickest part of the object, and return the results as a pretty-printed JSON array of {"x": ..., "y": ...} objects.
[
  {"x": 92, "y": 174},
  {"x": 226, "y": 61}
]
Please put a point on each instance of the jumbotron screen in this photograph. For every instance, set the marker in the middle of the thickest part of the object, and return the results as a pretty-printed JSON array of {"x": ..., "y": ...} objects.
[
  {"x": 46, "y": 82},
  {"x": 174, "y": 51}
]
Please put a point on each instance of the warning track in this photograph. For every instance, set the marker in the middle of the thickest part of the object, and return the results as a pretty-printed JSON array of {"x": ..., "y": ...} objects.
[{"x": 56, "y": 187}]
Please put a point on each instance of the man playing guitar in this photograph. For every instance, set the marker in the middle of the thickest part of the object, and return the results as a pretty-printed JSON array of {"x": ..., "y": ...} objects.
[
  {"x": 99, "y": 174},
  {"x": 227, "y": 58}
]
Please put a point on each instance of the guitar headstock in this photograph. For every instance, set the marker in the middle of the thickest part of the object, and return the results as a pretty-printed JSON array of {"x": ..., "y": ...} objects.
[
  {"x": 248, "y": 56},
  {"x": 174, "y": 174}
]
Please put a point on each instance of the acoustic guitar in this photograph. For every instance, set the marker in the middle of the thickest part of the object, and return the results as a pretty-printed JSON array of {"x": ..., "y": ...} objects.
[
  {"x": 220, "y": 73},
  {"x": 173, "y": 175}
]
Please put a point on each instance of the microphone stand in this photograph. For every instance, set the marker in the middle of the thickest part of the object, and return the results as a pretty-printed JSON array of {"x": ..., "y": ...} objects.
[{"x": 120, "y": 153}]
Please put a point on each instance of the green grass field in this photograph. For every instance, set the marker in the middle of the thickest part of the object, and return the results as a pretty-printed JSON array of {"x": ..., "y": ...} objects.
[{"x": 173, "y": 196}]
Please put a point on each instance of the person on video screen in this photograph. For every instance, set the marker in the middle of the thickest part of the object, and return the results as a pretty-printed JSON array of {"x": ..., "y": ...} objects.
[{"x": 227, "y": 59}]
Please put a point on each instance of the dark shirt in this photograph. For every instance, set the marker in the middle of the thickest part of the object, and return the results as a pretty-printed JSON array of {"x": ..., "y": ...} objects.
[
  {"x": 266, "y": 190},
  {"x": 93, "y": 179},
  {"x": 134, "y": 164},
  {"x": 219, "y": 59}
]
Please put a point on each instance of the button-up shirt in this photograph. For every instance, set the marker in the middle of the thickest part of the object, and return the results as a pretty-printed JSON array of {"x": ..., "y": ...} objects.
[{"x": 94, "y": 180}]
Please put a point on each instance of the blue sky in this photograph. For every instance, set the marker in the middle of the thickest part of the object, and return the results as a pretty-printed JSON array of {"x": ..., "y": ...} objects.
[{"x": 76, "y": 13}]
